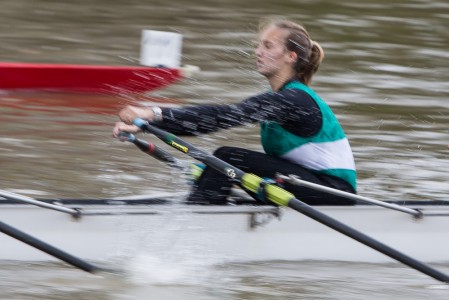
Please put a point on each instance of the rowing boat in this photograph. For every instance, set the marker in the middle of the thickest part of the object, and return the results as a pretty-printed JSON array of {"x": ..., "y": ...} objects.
[
  {"x": 241, "y": 231},
  {"x": 160, "y": 66},
  {"x": 86, "y": 78}
]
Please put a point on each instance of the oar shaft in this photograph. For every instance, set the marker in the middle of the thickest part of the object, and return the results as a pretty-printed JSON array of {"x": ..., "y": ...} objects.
[
  {"x": 29, "y": 200},
  {"x": 177, "y": 143},
  {"x": 293, "y": 180},
  {"x": 153, "y": 150},
  {"x": 193, "y": 170},
  {"x": 49, "y": 249},
  {"x": 366, "y": 240}
]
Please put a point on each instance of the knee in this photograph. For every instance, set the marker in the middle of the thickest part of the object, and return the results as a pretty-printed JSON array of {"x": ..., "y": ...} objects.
[{"x": 223, "y": 152}]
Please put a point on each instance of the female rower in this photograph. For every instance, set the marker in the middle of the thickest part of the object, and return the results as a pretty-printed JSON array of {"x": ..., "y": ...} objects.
[{"x": 299, "y": 133}]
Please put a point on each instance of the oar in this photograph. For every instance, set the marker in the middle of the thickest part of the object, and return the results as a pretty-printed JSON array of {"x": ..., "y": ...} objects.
[
  {"x": 295, "y": 180},
  {"x": 194, "y": 171},
  {"x": 152, "y": 150},
  {"x": 49, "y": 249},
  {"x": 21, "y": 198},
  {"x": 281, "y": 197},
  {"x": 160, "y": 154}
]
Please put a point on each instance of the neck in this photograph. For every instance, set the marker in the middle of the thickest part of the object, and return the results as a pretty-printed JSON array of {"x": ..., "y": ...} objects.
[{"x": 277, "y": 81}]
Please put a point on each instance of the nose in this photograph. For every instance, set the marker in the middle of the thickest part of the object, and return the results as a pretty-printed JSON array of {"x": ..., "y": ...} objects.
[{"x": 258, "y": 51}]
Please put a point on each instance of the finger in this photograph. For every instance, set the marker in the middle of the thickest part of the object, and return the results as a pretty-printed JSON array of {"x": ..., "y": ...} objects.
[
  {"x": 124, "y": 127},
  {"x": 119, "y": 127},
  {"x": 127, "y": 115}
]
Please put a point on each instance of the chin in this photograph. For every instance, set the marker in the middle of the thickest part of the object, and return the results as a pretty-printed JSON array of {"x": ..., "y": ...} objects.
[
  {"x": 262, "y": 72},
  {"x": 266, "y": 74}
]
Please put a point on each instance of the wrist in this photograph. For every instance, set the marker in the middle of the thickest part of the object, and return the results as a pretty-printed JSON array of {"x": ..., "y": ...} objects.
[{"x": 157, "y": 113}]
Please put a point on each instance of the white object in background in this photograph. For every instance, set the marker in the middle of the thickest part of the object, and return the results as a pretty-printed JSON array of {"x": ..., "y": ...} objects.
[{"x": 160, "y": 48}]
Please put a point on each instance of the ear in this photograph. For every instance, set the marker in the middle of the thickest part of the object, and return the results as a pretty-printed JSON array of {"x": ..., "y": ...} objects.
[{"x": 293, "y": 56}]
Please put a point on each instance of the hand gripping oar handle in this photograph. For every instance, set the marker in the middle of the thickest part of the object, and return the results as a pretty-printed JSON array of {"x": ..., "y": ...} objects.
[{"x": 281, "y": 197}]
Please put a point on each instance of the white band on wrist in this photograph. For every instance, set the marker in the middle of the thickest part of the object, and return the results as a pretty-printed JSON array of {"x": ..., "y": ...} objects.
[{"x": 157, "y": 113}]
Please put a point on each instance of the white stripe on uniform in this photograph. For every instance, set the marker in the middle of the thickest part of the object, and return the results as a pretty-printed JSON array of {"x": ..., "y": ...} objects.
[{"x": 322, "y": 156}]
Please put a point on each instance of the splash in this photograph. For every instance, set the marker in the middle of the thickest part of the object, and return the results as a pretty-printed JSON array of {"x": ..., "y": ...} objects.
[{"x": 161, "y": 270}]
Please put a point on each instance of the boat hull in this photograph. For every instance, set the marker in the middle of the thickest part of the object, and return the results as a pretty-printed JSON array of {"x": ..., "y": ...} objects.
[
  {"x": 85, "y": 78},
  {"x": 230, "y": 233}
]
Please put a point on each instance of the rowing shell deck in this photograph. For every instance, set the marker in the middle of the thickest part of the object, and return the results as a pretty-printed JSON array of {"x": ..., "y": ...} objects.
[{"x": 107, "y": 229}]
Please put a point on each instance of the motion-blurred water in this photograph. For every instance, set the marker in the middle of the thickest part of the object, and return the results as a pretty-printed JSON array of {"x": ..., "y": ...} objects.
[{"x": 385, "y": 75}]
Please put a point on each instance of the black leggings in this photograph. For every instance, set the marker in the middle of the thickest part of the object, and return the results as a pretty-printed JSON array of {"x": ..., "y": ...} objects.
[{"x": 214, "y": 187}]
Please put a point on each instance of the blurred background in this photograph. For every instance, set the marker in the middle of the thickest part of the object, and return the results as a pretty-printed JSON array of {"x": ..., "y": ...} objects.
[{"x": 385, "y": 75}]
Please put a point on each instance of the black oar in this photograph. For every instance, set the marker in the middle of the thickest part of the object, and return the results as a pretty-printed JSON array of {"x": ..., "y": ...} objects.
[
  {"x": 281, "y": 197},
  {"x": 193, "y": 170},
  {"x": 152, "y": 150},
  {"x": 49, "y": 249}
]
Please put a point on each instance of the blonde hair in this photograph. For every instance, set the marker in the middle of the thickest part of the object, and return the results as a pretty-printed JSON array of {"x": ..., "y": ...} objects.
[{"x": 309, "y": 53}]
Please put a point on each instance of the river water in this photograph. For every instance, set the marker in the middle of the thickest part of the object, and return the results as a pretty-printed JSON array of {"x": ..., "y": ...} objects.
[{"x": 386, "y": 76}]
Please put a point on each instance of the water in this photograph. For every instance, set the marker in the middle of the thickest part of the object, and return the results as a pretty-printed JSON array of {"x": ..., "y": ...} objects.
[
  {"x": 385, "y": 75},
  {"x": 314, "y": 280},
  {"x": 265, "y": 281}
]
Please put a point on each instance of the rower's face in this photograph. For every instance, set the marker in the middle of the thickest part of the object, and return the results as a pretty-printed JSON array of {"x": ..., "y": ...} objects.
[{"x": 272, "y": 55}]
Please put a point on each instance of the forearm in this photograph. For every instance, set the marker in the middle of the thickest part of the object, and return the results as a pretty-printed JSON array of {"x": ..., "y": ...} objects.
[{"x": 201, "y": 119}]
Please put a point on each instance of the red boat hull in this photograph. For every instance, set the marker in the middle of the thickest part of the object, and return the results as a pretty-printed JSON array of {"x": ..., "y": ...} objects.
[{"x": 85, "y": 78}]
